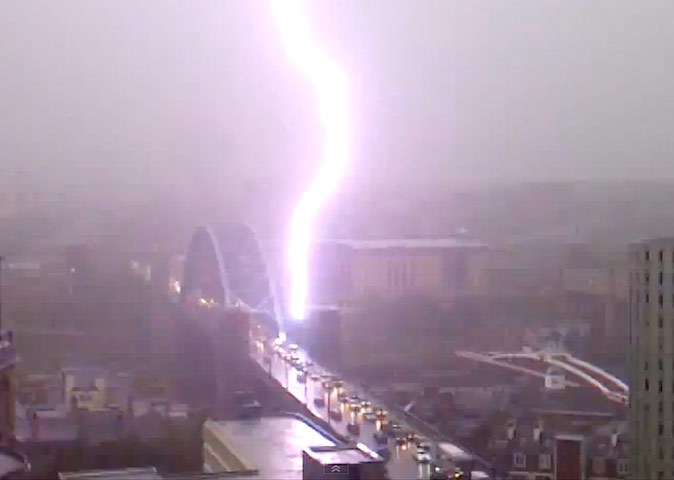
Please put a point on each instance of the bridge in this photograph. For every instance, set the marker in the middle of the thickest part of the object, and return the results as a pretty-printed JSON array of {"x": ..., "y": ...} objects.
[
  {"x": 225, "y": 268},
  {"x": 536, "y": 364}
]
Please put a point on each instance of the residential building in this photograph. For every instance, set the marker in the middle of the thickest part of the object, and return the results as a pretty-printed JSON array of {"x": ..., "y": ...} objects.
[{"x": 531, "y": 450}]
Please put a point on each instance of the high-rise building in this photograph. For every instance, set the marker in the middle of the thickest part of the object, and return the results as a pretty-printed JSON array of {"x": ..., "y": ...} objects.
[{"x": 652, "y": 359}]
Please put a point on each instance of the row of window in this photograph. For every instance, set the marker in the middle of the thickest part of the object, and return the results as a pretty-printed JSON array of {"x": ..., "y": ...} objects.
[
  {"x": 647, "y": 277},
  {"x": 661, "y": 256},
  {"x": 545, "y": 463},
  {"x": 647, "y": 299},
  {"x": 660, "y": 363},
  {"x": 400, "y": 275},
  {"x": 647, "y": 385},
  {"x": 661, "y": 426}
]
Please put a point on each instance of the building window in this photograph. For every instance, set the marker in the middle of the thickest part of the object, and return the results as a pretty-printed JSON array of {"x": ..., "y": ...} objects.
[
  {"x": 520, "y": 460},
  {"x": 660, "y": 364},
  {"x": 646, "y": 384},
  {"x": 661, "y": 277},
  {"x": 598, "y": 466},
  {"x": 622, "y": 467},
  {"x": 660, "y": 386},
  {"x": 647, "y": 255},
  {"x": 660, "y": 321},
  {"x": 661, "y": 432},
  {"x": 660, "y": 256},
  {"x": 545, "y": 461},
  {"x": 660, "y": 406},
  {"x": 660, "y": 299}
]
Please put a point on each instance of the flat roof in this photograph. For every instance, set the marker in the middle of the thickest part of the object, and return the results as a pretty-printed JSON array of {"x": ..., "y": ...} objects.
[
  {"x": 124, "y": 473},
  {"x": 271, "y": 445},
  {"x": 420, "y": 243},
  {"x": 341, "y": 454}
]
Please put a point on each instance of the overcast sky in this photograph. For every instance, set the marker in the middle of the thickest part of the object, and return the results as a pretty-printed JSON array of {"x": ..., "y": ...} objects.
[{"x": 123, "y": 96}]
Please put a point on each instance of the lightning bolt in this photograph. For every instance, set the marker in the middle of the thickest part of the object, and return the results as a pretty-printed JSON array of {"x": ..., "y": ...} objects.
[{"x": 330, "y": 86}]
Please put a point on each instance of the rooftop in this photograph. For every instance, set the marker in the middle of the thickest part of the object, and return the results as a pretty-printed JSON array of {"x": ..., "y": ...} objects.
[
  {"x": 344, "y": 454},
  {"x": 121, "y": 474},
  {"x": 271, "y": 445},
  {"x": 418, "y": 243}
]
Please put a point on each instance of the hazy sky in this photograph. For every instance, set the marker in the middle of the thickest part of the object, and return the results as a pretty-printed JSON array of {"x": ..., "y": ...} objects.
[{"x": 195, "y": 95}]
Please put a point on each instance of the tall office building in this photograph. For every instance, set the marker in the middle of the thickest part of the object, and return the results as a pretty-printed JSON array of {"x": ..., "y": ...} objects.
[{"x": 652, "y": 359}]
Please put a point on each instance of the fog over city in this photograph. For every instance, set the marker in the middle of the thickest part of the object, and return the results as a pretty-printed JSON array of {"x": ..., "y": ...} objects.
[
  {"x": 396, "y": 239},
  {"x": 195, "y": 97}
]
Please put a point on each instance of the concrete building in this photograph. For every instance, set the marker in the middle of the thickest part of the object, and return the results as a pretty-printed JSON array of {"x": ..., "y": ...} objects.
[
  {"x": 350, "y": 270},
  {"x": 651, "y": 358}
]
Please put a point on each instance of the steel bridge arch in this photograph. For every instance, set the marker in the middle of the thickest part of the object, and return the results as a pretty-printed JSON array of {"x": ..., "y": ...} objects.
[{"x": 227, "y": 261}]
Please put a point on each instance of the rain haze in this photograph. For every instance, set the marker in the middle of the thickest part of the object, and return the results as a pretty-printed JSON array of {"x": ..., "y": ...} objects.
[
  {"x": 435, "y": 237},
  {"x": 187, "y": 97}
]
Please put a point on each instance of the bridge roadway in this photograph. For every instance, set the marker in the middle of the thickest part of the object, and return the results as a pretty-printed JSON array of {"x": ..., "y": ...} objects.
[{"x": 401, "y": 465}]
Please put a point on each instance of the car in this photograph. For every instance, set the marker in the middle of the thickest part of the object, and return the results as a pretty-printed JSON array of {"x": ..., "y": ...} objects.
[
  {"x": 369, "y": 417},
  {"x": 401, "y": 440},
  {"x": 381, "y": 413},
  {"x": 380, "y": 437},
  {"x": 302, "y": 377},
  {"x": 353, "y": 428},
  {"x": 395, "y": 427},
  {"x": 366, "y": 405},
  {"x": 423, "y": 445},
  {"x": 422, "y": 457},
  {"x": 343, "y": 400},
  {"x": 293, "y": 348},
  {"x": 412, "y": 437},
  {"x": 336, "y": 415}
]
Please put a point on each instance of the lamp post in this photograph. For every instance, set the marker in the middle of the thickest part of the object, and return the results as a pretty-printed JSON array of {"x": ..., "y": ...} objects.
[{"x": 329, "y": 396}]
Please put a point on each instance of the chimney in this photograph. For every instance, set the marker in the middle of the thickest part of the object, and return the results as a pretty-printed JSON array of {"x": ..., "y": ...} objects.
[
  {"x": 538, "y": 431},
  {"x": 512, "y": 429}
]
